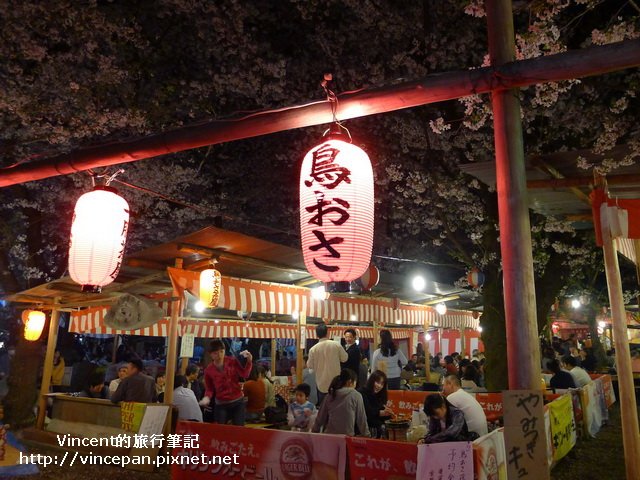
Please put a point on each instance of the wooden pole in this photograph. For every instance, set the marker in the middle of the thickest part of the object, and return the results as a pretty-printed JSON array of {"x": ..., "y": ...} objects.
[
  {"x": 376, "y": 339},
  {"x": 172, "y": 351},
  {"x": 184, "y": 363},
  {"x": 274, "y": 346},
  {"x": 523, "y": 352},
  {"x": 114, "y": 349},
  {"x": 628, "y": 407},
  {"x": 301, "y": 336},
  {"x": 48, "y": 364},
  {"x": 431, "y": 89},
  {"x": 462, "y": 340}
]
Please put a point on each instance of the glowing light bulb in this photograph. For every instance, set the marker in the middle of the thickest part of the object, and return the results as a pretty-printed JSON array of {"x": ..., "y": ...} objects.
[{"x": 418, "y": 283}]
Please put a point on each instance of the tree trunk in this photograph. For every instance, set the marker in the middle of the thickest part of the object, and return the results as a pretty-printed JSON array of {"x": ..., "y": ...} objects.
[
  {"x": 23, "y": 383},
  {"x": 494, "y": 334},
  {"x": 596, "y": 344},
  {"x": 548, "y": 286}
]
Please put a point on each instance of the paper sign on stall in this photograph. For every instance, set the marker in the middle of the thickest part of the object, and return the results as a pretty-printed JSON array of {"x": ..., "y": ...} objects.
[
  {"x": 445, "y": 460},
  {"x": 151, "y": 429},
  {"x": 525, "y": 435},
  {"x": 186, "y": 345}
]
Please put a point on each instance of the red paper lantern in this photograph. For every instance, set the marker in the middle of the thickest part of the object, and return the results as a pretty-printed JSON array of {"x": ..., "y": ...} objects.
[
  {"x": 475, "y": 278},
  {"x": 336, "y": 211},
  {"x": 34, "y": 321},
  {"x": 98, "y": 237},
  {"x": 370, "y": 278}
]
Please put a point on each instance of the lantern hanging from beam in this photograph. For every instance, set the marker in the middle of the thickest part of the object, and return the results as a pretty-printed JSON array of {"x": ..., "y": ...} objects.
[
  {"x": 336, "y": 210},
  {"x": 369, "y": 279},
  {"x": 475, "y": 278},
  {"x": 210, "y": 283},
  {"x": 98, "y": 237},
  {"x": 33, "y": 324}
]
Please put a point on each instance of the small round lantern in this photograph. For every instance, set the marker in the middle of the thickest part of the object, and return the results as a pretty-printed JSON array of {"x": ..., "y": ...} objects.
[
  {"x": 475, "y": 278},
  {"x": 33, "y": 324},
  {"x": 98, "y": 237},
  {"x": 336, "y": 210},
  {"x": 210, "y": 283},
  {"x": 370, "y": 278}
]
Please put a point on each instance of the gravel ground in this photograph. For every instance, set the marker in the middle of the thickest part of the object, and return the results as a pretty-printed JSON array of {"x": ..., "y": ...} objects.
[{"x": 599, "y": 458}]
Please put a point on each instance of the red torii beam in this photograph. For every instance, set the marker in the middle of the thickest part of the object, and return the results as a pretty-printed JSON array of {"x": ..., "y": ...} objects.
[{"x": 431, "y": 89}]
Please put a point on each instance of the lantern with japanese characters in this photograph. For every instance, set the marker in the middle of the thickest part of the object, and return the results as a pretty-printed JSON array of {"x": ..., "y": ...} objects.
[
  {"x": 336, "y": 210},
  {"x": 98, "y": 237},
  {"x": 33, "y": 324},
  {"x": 210, "y": 282}
]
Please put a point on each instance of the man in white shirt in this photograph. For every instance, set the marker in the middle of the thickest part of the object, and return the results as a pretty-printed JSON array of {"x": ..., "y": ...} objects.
[
  {"x": 472, "y": 410},
  {"x": 185, "y": 400},
  {"x": 580, "y": 376},
  {"x": 324, "y": 359},
  {"x": 123, "y": 371}
]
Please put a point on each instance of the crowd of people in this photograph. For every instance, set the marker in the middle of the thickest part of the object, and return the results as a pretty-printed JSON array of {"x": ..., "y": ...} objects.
[{"x": 341, "y": 392}]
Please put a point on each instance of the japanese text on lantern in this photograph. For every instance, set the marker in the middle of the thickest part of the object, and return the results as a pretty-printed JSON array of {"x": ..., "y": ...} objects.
[{"x": 326, "y": 175}]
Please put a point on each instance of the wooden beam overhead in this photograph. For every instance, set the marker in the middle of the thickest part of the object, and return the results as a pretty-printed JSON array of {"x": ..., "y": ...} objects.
[
  {"x": 440, "y": 300},
  {"x": 140, "y": 263},
  {"x": 582, "y": 181},
  {"x": 544, "y": 166},
  {"x": 434, "y": 88},
  {"x": 222, "y": 255}
]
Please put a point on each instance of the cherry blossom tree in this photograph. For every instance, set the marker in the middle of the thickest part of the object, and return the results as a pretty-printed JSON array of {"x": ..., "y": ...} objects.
[{"x": 75, "y": 75}]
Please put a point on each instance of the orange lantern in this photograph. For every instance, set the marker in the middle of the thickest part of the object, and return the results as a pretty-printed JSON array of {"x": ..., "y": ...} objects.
[
  {"x": 336, "y": 210},
  {"x": 210, "y": 283},
  {"x": 98, "y": 237},
  {"x": 33, "y": 324}
]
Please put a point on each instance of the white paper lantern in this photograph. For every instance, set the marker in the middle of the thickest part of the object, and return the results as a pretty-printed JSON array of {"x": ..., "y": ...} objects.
[
  {"x": 98, "y": 238},
  {"x": 336, "y": 211}
]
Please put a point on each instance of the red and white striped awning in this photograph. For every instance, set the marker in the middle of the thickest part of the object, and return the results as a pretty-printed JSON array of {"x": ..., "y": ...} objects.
[
  {"x": 226, "y": 329},
  {"x": 91, "y": 322},
  {"x": 265, "y": 297},
  {"x": 270, "y": 298}
]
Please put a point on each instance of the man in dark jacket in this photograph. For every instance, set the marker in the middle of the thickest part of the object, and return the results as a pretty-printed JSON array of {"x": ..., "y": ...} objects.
[
  {"x": 353, "y": 352},
  {"x": 561, "y": 379},
  {"x": 137, "y": 387}
]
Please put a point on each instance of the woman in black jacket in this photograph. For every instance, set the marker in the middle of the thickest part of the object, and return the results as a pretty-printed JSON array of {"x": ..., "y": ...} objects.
[{"x": 374, "y": 395}]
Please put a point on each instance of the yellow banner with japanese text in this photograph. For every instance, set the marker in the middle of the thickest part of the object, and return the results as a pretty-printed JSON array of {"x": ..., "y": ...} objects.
[{"x": 563, "y": 426}]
